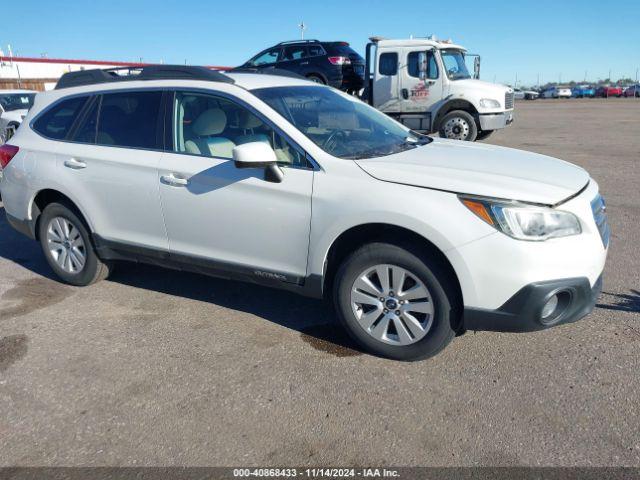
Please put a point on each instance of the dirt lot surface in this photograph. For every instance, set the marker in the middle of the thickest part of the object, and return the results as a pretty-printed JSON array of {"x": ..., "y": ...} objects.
[{"x": 154, "y": 367}]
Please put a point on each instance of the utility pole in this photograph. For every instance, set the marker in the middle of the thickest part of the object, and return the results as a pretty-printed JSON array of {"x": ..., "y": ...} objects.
[
  {"x": 637, "y": 75},
  {"x": 302, "y": 28},
  {"x": 585, "y": 75},
  {"x": 538, "y": 84}
]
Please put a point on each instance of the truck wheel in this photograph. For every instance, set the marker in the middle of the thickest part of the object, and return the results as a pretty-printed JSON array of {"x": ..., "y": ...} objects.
[
  {"x": 459, "y": 125},
  {"x": 316, "y": 78},
  {"x": 395, "y": 302},
  {"x": 66, "y": 244},
  {"x": 484, "y": 134}
]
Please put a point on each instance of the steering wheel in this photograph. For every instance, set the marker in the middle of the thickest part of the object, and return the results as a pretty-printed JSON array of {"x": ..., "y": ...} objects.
[{"x": 332, "y": 140}]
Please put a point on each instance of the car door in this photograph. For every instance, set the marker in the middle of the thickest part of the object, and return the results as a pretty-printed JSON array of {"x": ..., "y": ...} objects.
[
  {"x": 110, "y": 166},
  {"x": 386, "y": 86},
  {"x": 266, "y": 60},
  {"x": 416, "y": 94},
  {"x": 294, "y": 58},
  {"x": 229, "y": 218}
]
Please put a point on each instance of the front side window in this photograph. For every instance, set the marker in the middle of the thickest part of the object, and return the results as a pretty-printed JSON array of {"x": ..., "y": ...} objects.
[
  {"x": 267, "y": 58},
  {"x": 56, "y": 122},
  {"x": 388, "y": 63},
  {"x": 130, "y": 119},
  {"x": 17, "y": 101},
  {"x": 413, "y": 68},
  {"x": 212, "y": 126},
  {"x": 454, "y": 64},
  {"x": 338, "y": 123}
]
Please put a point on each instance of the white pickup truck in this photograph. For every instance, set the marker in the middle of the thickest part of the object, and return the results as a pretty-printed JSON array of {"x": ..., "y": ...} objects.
[{"x": 425, "y": 84}]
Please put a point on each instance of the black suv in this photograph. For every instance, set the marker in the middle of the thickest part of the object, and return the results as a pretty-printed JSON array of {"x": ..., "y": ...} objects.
[{"x": 331, "y": 63}]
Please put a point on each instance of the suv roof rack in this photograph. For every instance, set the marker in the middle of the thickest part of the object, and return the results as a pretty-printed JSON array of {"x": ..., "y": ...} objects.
[
  {"x": 151, "y": 72},
  {"x": 286, "y": 42}
]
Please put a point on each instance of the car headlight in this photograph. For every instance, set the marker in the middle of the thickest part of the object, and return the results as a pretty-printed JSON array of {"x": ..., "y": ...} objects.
[
  {"x": 489, "y": 103},
  {"x": 523, "y": 221}
]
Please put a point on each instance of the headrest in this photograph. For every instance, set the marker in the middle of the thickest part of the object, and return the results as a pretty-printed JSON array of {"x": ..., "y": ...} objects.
[
  {"x": 249, "y": 120},
  {"x": 210, "y": 122}
]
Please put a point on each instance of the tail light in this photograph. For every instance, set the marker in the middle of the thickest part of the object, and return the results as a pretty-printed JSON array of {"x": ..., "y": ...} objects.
[
  {"x": 340, "y": 60},
  {"x": 7, "y": 152}
]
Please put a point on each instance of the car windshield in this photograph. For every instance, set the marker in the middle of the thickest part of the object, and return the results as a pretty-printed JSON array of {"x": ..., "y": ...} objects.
[
  {"x": 340, "y": 124},
  {"x": 16, "y": 101},
  {"x": 454, "y": 64}
]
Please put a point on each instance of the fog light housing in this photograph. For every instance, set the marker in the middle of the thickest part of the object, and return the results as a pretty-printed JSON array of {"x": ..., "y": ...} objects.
[{"x": 549, "y": 307}]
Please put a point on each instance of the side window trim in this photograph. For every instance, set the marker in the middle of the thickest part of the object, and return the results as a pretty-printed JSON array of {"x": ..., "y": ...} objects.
[
  {"x": 312, "y": 164},
  {"x": 53, "y": 105},
  {"x": 82, "y": 117}
]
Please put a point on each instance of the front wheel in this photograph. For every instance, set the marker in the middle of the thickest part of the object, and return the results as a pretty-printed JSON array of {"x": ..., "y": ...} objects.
[
  {"x": 458, "y": 125},
  {"x": 66, "y": 244},
  {"x": 395, "y": 302}
]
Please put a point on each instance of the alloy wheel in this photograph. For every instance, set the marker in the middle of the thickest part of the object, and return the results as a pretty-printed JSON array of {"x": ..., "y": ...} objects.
[{"x": 66, "y": 245}]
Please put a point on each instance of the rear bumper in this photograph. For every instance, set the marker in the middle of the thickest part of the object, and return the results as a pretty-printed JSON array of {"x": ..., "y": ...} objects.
[
  {"x": 523, "y": 311},
  {"x": 26, "y": 227},
  {"x": 495, "y": 121}
]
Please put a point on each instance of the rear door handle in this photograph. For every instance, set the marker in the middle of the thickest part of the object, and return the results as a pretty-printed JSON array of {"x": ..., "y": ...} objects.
[
  {"x": 174, "y": 181},
  {"x": 75, "y": 164},
  {"x": 304, "y": 63},
  {"x": 405, "y": 94}
]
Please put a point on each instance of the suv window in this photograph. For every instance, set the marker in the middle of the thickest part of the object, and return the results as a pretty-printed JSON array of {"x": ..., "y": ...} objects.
[
  {"x": 86, "y": 131},
  {"x": 388, "y": 63},
  {"x": 414, "y": 71},
  {"x": 294, "y": 53},
  {"x": 130, "y": 119},
  {"x": 316, "y": 50},
  {"x": 266, "y": 58},
  {"x": 57, "y": 121},
  {"x": 211, "y": 126}
]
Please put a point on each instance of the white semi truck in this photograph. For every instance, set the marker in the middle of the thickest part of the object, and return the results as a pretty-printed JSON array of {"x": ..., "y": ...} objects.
[{"x": 425, "y": 84}]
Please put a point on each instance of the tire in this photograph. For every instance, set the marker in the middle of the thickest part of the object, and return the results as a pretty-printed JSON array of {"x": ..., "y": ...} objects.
[
  {"x": 434, "y": 332},
  {"x": 71, "y": 241},
  {"x": 484, "y": 134},
  {"x": 458, "y": 125},
  {"x": 316, "y": 79}
]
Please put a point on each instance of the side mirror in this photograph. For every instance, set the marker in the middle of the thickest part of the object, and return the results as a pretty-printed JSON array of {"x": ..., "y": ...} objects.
[
  {"x": 422, "y": 65},
  {"x": 476, "y": 68},
  {"x": 258, "y": 155}
]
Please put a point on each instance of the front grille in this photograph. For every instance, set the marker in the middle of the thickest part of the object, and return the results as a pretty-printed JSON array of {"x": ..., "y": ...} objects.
[
  {"x": 599, "y": 209},
  {"x": 508, "y": 100}
]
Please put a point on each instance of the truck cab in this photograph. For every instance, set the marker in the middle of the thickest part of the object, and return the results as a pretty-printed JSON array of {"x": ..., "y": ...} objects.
[{"x": 425, "y": 84}]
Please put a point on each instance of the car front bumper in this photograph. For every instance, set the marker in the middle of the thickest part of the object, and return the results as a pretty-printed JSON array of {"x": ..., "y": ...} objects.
[
  {"x": 495, "y": 121},
  {"x": 524, "y": 311}
]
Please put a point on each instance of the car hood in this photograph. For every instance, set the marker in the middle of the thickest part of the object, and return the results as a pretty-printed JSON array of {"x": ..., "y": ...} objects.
[{"x": 483, "y": 170}]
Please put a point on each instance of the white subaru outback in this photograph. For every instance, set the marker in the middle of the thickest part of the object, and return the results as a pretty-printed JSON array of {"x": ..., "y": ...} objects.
[{"x": 282, "y": 182}]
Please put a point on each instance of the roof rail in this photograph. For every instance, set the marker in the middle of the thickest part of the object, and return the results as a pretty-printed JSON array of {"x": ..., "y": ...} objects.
[
  {"x": 286, "y": 42},
  {"x": 151, "y": 72},
  {"x": 278, "y": 72}
]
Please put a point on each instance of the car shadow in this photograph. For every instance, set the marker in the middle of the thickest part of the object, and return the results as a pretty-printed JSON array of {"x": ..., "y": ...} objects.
[
  {"x": 622, "y": 301},
  {"x": 313, "y": 319}
]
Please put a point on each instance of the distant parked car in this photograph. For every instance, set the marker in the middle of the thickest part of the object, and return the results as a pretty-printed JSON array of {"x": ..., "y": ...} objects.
[
  {"x": 14, "y": 105},
  {"x": 609, "y": 91},
  {"x": 520, "y": 94},
  {"x": 632, "y": 91},
  {"x": 557, "y": 92},
  {"x": 583, "y": 91},
  {"x": 330, "y": 63}
]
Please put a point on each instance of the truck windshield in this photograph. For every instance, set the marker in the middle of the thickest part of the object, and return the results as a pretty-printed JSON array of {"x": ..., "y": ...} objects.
[
  {"x": 16, "y": 101},
  {"x": 454, "y": 64},
  {"x": 340, "y": 124}
]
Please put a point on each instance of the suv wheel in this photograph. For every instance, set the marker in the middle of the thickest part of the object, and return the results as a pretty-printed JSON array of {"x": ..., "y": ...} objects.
[
  {"x": 67, "y": 246},
  {"x": 316, "y": 78},
  {"x": 459, "y": 125},
  {"x": 395, "y": 303}
]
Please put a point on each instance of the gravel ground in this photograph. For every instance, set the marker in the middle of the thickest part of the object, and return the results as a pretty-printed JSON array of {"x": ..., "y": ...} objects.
[{"x": 155, "y": 367}]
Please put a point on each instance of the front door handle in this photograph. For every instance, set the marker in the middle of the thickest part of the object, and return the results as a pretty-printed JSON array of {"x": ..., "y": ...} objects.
[
  {"x": 174, "y": 181},
  {"x": 75, "y": 164}
]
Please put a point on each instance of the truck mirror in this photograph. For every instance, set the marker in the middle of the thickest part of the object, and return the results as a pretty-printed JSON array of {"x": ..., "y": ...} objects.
[
  {"x": 422, "y": 65},
  {"x": 476, "y": 67}
]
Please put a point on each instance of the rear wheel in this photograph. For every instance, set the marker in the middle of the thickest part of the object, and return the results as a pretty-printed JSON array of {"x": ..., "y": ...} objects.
[
  {"x": 316, "y": 78},
  {"x": 396, "y": 303},
  {"x": 67, "y": 246},
  {"x": 458, "y": 125}
]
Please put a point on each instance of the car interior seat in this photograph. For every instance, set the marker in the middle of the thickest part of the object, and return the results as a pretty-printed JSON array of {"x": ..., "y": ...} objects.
[{"x": 207, "y": 140}]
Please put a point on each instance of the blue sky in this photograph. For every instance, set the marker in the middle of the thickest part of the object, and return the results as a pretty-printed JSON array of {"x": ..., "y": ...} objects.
[{"x": 553, "y": 39}]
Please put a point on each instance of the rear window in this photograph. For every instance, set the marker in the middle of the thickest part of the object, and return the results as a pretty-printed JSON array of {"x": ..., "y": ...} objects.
[
  {"x": 388, "y": 63},
  {"x": 56, "y": 122},
  {"x": 130, "y": 119},
  {"x": 341, "y": 49}
]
